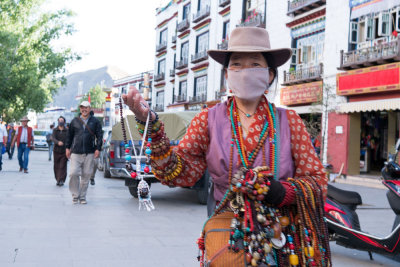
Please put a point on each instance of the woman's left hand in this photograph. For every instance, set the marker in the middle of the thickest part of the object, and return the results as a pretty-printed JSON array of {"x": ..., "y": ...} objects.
[{"x": 276, "y": 193}]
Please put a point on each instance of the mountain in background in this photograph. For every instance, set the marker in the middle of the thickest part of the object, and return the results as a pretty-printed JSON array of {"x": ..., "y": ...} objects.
[{"x": 65, "y": 96}]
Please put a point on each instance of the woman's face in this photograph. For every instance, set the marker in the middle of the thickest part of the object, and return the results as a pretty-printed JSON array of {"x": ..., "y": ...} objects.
[{"x": 242, "y": 60}]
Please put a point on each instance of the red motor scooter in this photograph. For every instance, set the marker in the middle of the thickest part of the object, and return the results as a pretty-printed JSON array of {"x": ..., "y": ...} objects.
[{"x": 343, "y": 222}]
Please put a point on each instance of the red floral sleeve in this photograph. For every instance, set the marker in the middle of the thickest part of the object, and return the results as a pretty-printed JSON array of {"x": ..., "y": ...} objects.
[
  {"x": 192, "y": 151},
  {"x": 306, "y": 160}
]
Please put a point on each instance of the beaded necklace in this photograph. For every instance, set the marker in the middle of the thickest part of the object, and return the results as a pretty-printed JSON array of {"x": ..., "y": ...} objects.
[
  {"x": 144, "y": 193},
  {"x": 261, "y": 228},
  {"x": 248, "y": 115},
  {"x": 249, "y": 186},
  {"x": 237, "y": 138}
]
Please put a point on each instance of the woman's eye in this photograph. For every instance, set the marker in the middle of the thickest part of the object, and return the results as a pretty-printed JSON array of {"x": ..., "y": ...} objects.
[{"x": 256, "y": 64}]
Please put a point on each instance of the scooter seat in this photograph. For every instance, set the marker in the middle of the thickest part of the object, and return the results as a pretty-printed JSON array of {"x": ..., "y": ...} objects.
[{"x": 344, "y": 196}]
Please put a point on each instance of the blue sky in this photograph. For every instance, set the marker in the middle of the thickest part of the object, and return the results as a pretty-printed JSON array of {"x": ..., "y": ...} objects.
[{"x": 111, "y": 32}]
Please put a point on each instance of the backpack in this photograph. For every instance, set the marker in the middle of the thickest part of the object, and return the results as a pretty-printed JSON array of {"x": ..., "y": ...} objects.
[{"x": 216, "y": 238}]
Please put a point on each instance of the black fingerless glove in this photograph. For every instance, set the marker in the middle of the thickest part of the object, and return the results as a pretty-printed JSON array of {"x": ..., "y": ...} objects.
[{"x": 276, "y": 193}]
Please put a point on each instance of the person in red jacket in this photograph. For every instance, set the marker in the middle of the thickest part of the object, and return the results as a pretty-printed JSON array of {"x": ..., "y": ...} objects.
[{"x": 25, "y": 142}]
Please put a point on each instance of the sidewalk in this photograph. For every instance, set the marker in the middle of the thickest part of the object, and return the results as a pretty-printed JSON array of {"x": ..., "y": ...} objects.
[{"x": 363, "y": 180}]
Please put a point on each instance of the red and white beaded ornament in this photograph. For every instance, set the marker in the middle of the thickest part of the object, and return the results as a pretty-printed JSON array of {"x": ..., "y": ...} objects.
[{"x": 144, "y": 193}]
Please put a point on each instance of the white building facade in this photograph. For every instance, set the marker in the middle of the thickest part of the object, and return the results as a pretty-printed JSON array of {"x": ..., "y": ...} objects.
[{"x": 185, "y": 78}]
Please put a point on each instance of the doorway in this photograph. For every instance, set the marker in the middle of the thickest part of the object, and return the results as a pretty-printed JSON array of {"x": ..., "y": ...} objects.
[{"x": 373, "y": 141}]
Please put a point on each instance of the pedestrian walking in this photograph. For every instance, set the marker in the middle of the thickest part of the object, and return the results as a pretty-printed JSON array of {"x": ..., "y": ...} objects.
[
  {"x": 3, "y": 141},
  {"x": 59, "y": 138},
  {"x": 82, "y": 147},
  {"x": 50, "y": 141},
  {"x": 268, "y": 184},
  {"x": 10, "y": 137},
  {"x": 25, "y": 142}
]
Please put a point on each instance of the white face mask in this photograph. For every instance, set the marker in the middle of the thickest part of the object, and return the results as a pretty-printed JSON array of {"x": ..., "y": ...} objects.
[{"x": 248, "y": 84}]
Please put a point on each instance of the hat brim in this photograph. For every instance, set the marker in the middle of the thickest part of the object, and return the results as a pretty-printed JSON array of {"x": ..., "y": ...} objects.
[{"x": 280, "y": 56}]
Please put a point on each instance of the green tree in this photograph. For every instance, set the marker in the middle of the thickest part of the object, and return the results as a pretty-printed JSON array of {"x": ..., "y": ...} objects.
[
  {"x": 31, "y": 69},
  {"x": 97, "y": 97}
]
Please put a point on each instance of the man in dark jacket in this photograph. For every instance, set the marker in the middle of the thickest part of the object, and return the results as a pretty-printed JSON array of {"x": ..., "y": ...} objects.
[
  {"x": 59, "y": 138},
  {"x": 83, "y": 146}
]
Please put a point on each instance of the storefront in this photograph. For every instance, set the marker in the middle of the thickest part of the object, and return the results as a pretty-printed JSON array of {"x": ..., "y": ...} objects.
[
  {"x": 364, "y": 130},
  {"x": 305, "y": 100}
]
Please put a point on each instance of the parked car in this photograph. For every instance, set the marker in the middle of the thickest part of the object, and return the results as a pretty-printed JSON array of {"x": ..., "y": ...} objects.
[
  {"x": 106, "y": 140},
  {"x": 40, "y": 139},
  {"x": 114, "y": 152}
]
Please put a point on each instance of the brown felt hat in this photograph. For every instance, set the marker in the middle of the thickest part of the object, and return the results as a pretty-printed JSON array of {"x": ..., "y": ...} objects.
[{"x": 251, "y": 39}]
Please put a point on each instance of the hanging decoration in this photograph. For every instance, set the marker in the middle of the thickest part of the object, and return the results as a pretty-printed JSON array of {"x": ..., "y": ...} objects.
[{"x": 144, "y": 193}]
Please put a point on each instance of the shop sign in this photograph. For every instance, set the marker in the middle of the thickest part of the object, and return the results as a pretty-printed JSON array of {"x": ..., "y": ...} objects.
[
  {"x": 381, "y": 78},
  {"x": 301, "y": 94}
]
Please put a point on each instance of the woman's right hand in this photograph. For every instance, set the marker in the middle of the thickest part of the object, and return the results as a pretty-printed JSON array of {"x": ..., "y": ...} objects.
[{"x": 137, "y": 104}]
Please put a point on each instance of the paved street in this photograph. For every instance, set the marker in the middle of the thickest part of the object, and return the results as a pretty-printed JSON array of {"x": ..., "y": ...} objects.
[{"x": 40, "y": 226}]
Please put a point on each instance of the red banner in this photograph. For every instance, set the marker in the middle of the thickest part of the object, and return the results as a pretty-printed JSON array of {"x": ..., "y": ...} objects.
[
  {"x": 369, "y": 80},
  {"x": 301, "y": 94}
]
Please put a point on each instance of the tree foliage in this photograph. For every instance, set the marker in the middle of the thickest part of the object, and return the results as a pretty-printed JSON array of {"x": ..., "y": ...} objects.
[
  {"x": 31, "y": 69},
  {"x": 97, "y": 97}
]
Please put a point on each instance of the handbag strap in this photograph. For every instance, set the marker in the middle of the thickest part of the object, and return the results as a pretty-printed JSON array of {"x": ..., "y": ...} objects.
[{"x": 87, "y": 127}]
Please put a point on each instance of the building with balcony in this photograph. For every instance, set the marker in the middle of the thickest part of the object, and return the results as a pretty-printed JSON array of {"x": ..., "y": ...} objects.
[
  {"x": 316, "y": 31},
  {"x": 185, "y": 31},
  {"x": 367, "y": 123},
  {"x": 302, "y": 85}
]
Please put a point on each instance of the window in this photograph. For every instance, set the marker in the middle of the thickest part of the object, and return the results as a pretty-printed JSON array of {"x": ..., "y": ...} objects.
[
  {"x": 185, "y": 51},
  {"x": 200, "y": 85},
  {"x": 293, "y": 61},
  {"x": 202, "y": 42},
  {"x": 353, "y": 32},
  {"x": 308, "y": 51},
  {"x": 397, "y": 20},
  {"x": 161, "y": 66},
  {"x": 163, "y": 37},
  {"x": 384, "y": 24},
  {"x": 369, "y": 28},
  {"x": 308, "y": 54},
  {"x": 182, "y": 88},
  {"x": 186, "y": 12},
  {"x": 361, "y": 31},
  {"x": 225, "y": 30},
  {"x": 160, "y": 99},
  {"x": 174, "y": 61},
  {"x": 252, "y": 6},
  {"x": 202, "y": 4}
]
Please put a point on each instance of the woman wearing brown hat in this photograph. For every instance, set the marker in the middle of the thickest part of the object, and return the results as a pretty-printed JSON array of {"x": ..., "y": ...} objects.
[{"x": 268, "y": 183}]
